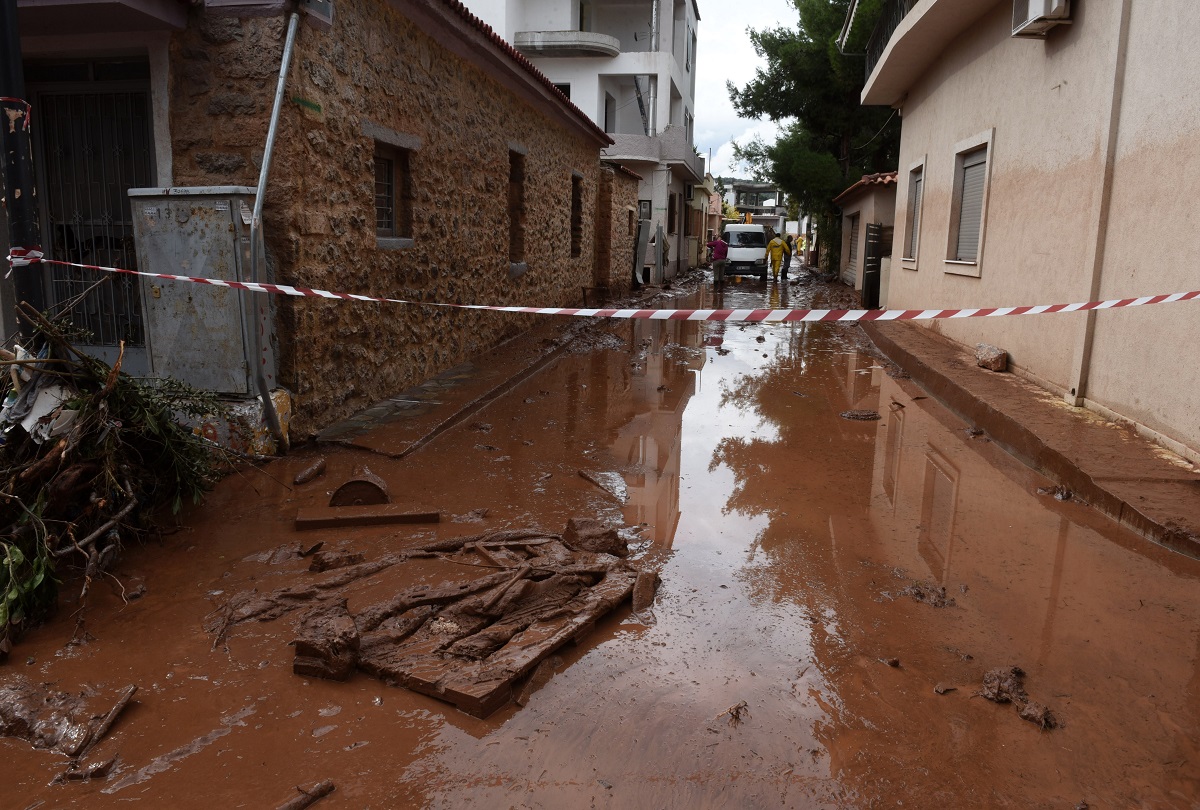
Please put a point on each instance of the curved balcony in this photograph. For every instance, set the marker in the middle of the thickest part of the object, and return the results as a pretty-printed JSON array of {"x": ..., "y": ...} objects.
[{"x": 566, "y": 43}]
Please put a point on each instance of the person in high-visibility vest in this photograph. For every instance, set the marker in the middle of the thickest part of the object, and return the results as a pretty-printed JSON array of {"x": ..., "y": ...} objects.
[{"x": 775, "y": 250}]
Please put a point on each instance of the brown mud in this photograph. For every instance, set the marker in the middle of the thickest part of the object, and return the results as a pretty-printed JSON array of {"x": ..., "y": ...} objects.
[{"x": 757, "y": 676}]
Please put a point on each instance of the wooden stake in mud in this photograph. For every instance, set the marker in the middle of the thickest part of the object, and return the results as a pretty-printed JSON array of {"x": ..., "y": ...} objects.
[{"x": 308, "y": 796}]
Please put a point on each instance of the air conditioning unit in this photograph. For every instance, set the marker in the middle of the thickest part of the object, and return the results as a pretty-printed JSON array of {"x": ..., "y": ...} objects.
[{"x": 1033, "y": 18}]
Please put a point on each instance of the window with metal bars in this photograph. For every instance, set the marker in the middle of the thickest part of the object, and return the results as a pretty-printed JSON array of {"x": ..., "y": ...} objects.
[
  {"x": 393, "y": 192},
  {"x": 516, "y": 207},
  {"x": 576, "y": 216}
]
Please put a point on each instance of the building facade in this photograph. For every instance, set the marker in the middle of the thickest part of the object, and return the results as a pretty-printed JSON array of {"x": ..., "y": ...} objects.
[
  {"x": 631, "y": 66},
  {"x": 1047, "y": 169},
  {"x": 418, "y": 157}
]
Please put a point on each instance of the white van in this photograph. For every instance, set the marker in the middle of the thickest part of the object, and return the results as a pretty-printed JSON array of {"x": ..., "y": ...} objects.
[{"x": 747, "y": 250}]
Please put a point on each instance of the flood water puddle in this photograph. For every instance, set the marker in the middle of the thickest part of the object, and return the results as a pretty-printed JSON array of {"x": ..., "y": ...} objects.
[{"x": 833, "y": 592}]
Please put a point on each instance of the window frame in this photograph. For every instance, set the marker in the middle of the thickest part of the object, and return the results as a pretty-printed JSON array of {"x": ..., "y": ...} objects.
[
  {"x": 576, "y": 215},
  {"x": 963, "y": 151},
  {"x": 402, "y": 149},
  {"x": 517, "y": 175},
  {"x": 911, "y": 247}
]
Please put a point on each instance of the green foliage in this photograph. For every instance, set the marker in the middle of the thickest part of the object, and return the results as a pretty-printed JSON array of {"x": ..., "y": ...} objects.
[
  {"x": 74, "y": 497},
  {"x": 829, "y": 140}
]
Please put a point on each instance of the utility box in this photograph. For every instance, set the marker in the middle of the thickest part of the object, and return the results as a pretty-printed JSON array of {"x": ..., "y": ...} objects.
[{"x": 199, "y": 333}]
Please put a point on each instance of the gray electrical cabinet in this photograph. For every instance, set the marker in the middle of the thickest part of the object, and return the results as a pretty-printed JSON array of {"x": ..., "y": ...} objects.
[{"x": 199, "y": 333}]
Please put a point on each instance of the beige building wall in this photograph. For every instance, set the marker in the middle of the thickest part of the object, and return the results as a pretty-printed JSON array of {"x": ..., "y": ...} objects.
[
  {"x": 1053, "y": 226},
  {"x": 874, "y": 204},
  {"x": 378, "y": 76}
]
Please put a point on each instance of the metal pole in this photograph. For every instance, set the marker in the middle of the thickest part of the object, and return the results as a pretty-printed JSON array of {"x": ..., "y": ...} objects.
[
  {"x": 256, "y": 243},
  {"x": 20, "y": 194}
]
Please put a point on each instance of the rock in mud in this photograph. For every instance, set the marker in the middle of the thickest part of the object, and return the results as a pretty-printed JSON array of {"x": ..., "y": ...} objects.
[
  {"x": 643, "y": 590},
  {"x": 1006, "y": 685},
  {"x": 588, "y": 534},
  {"x": 993, "y": 358},
  {"x": 860, "y": 415},
  {"x": 326, "y": 643},
  {"x": 932, "y": 595}
]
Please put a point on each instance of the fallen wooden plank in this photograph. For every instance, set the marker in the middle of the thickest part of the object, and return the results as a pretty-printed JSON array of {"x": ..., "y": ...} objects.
[{"x": 322, "y": 517}]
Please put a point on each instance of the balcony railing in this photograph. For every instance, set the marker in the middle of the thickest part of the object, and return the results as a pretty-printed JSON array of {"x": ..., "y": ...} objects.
[{"x": 889, "y": 20}]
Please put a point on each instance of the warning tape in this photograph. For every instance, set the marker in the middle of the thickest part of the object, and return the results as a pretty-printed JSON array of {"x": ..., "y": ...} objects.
[{"x": 744, "y": 315}]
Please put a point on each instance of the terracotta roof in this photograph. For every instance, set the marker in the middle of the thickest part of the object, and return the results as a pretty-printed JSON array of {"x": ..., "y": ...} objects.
[
  {"x": 519, "y": 58},
  {"x": 879, "y": 179},
  {"x": 624, "y": 170}
]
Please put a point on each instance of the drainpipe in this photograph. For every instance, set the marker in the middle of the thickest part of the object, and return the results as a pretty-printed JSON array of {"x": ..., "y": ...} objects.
[
  {"x": 654, "y": 25},
  {"x": 256, "y": 243},
  {"x": 1081, "y": 363}
]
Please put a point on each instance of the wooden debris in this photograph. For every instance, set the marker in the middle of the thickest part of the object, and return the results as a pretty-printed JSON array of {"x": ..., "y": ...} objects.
[
  {"x": 643, "y": 590},
  {"x": 364, "y": 489},
  {"x": 311, "y": 472},
  {"x": 612, "y": 487},
  {"x": 97, "y": 732},
  {"x": 76, "y": 773},
  {"x": 317, "y": 517},
  {"x": 329, "y": 560},
  {"x": 588, "y": 534},
  {"x": 327, "y": 643},
  {"x": 736, "y": 713},
  {"x": 308, "y": 796}
]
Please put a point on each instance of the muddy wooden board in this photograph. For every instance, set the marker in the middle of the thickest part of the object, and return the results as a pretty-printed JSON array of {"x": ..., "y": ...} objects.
[{"x": 481, "y": 687}]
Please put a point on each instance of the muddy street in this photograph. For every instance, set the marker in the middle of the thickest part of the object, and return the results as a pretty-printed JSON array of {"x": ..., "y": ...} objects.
[{"x": 837, "y": 593}]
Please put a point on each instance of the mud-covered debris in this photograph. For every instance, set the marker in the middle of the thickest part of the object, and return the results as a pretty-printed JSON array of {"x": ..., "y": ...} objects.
[
  {"x": 1003, "y": 684},
  {"x": 1035, "y": 712},
  {"x": 860, "y": 415},
  {"x": 736, "y": 713},
  {"x": 973, "y": 432},
  {"x": 363, "y": 488},
  {"x": 929, "y": 594},
  {"x": 79, "y": 772},
  {"x": 336, "y": 558},
  {"x": 308, "y": 795},
  {"x": 1006, "y": 685},
  {"x": 942, "y": 688},
  {"x": 589, "y": 534},
  {"x": 611, "y": 482},
  {"x": 474, "y": 516},
  {"x": 311, "y": 472},
  {"x": 540, "y": 677},
  {"x": 55, "y": 720},
  {"x": 481, "y": 427},
  {"x": 1058, "y": 492},
  {"x": 892, "y": 662},
  {"x": 644, "y": 589},
  {"x": 326, "y": 643}
]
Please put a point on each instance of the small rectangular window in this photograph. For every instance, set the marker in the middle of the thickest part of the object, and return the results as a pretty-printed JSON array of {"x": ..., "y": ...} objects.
[
  {"x": 393, "y": 192},
  {"x": 516, "y": 207},
  {"x": 632, "y": 220},
  {"x": 671, "y": 213},
  {"x": 971, "y": 178},
  {"x": 916, "y": 182},
  {"x": 576, "y": 216}
]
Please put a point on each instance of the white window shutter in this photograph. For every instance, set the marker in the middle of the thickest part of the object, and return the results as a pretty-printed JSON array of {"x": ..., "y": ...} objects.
[{"x": 970, "y": 213}]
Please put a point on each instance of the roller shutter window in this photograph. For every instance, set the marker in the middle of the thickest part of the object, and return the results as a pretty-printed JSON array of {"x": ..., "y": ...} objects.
[
  {"x": 970, "y": 212},
  {"x": 916, "y": 183},
  {"x": 853, "y": 268}
]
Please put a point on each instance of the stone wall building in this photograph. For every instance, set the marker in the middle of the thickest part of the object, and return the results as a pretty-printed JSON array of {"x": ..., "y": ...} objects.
[{"x": 418, "y": 157}]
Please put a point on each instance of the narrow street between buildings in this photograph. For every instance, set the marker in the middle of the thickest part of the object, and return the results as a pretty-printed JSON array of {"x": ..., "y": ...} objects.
[{"x": 863, "y": 603}]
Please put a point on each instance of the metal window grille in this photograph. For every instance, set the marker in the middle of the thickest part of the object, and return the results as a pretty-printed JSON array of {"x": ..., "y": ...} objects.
[{"x": 385, "y": 196}]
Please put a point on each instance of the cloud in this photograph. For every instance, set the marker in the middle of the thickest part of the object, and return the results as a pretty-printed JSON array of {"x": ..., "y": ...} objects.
[{"x": 725, "y": 54}]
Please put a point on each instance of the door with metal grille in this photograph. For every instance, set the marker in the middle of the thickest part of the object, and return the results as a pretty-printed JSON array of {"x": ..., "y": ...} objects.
[{"x": 94, "y": 143}]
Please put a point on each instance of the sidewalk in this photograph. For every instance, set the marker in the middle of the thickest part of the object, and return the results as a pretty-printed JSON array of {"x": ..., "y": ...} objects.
[{"x": 1125, "y": 476}]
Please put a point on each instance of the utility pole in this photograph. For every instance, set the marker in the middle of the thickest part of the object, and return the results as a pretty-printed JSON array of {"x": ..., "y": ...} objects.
[{"x": 20, "y": 195}]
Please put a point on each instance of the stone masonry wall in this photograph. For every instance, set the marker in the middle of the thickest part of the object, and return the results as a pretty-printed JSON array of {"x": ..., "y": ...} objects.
[
  {"x": 622, "y": 232},
  {"x": 377, "y": 68}
]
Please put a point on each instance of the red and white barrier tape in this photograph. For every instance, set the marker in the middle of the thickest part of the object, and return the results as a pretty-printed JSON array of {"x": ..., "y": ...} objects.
[{"x": 750, "y": 315}]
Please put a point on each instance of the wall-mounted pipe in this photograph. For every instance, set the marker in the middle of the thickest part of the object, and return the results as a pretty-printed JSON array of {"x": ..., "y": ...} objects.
[{"x": 256, "y": 242}]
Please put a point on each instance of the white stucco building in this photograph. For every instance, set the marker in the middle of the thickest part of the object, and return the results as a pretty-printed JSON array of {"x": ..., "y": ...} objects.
[{"x": 631, "y": 66}]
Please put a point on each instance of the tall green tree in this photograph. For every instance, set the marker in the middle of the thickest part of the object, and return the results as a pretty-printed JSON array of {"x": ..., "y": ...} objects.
[{"x": 828, "y": 140}]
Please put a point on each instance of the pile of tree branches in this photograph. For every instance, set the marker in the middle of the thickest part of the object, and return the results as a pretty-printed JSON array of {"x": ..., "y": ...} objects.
[{"x": 89, "y": 455}]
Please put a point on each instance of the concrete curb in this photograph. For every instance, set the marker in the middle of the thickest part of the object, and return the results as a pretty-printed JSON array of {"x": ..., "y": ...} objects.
[{"x": 1110, "y": 467}]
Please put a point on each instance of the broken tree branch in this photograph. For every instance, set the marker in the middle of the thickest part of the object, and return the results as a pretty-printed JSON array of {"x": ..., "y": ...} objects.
[{"x": 308, "y": 796}]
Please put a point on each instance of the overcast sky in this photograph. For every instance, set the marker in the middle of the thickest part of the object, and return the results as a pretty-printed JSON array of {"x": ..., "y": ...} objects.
[{"x": 724, "y": 53}]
